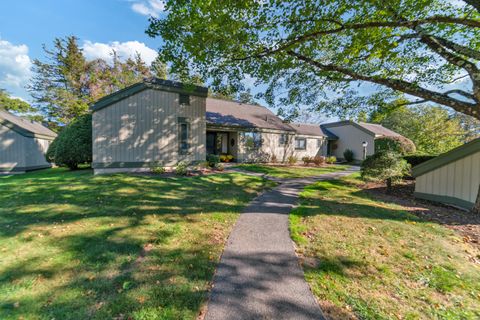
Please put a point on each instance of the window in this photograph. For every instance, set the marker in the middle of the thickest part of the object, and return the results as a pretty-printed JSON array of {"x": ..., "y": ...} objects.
[
  {"x": 252, "y": 140},
  {"x": 300, "y": 143},
  {"x": 184, "y": 99},
  {"x": 183, "y": 135},
  {"x": 283, "y": 139}
]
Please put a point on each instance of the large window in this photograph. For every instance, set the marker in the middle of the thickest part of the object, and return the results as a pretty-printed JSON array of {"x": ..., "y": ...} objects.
[
  {"x": 300, "y": 143},
  {"x": 252, "y": 140},
  {"x": 183, "y": 135},
  {"x": 283, "y": 140}
]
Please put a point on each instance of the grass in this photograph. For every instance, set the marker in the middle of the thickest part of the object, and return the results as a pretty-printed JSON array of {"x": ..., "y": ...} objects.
[
  {"x": 368, "y": 259},
  {"x": 290, "y": 172},
  {"x": 78, "y": 246}
]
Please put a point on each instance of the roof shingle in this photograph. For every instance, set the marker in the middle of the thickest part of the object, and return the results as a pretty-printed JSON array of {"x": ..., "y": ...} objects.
[{"x": 237, "y": 114}]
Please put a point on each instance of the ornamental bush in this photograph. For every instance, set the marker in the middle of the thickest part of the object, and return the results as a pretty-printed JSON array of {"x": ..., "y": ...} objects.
[
  {"x": 385, "y": 166},
  {"x": 415, "y": 160},
  {"x": 73, "y": 145},
  {"x": 398, "y": 144},
  {"x": 348, "y": 155}
]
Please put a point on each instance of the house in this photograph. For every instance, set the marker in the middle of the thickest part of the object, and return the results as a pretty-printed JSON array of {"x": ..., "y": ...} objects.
[
  {"x": 23, "y": 144},
  {"x": 164, "y": 122},
  {"x": 452, "y": 178},
  {"x": 354, "y": 135}
]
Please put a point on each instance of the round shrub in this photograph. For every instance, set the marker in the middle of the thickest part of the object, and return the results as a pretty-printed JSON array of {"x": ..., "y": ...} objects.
[
  {"x": 73, "y": 146},
  {"x": 52, "y": 148},
  {"x": 398, "y": 144},
  {"x": 385, "y": 166},
  {"x": 348, "y": 155}
]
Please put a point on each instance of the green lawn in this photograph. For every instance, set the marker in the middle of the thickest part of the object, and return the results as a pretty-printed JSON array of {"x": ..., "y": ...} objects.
[
  {"x": 78, "y": 246},
  {"x": 290, "y": 172},
  {"x": 371, "y": 260}
]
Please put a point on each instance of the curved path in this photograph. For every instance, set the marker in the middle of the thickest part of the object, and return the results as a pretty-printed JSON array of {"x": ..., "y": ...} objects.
[{"x": 259, "y": 276}]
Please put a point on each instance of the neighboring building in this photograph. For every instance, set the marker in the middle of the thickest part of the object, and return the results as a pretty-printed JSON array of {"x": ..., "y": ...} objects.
[
  {"x": 23, "y": 144},
  {"x": 352, "y": 135},
  {"x": 161, "y": 121},
  {"x": 451, "y": 178}
]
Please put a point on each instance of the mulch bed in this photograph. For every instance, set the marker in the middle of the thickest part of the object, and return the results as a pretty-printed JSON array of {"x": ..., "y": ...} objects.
[{"x": 467, "y": 224}]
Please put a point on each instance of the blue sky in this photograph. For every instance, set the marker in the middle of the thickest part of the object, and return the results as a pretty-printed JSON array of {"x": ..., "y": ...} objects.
[{"x": 101, "y": 25}]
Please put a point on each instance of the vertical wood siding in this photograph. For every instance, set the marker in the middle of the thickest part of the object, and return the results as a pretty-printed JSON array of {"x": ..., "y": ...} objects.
[
  {"x": 459, "y": 179},
  {"x": 20, "y": 152},
  {"x": 144, "y": 128},
  {"x": 350, "y": 137}
]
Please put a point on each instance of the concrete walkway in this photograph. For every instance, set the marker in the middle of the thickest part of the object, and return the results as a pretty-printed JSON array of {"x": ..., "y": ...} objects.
[{"x": 259, "y": 276}]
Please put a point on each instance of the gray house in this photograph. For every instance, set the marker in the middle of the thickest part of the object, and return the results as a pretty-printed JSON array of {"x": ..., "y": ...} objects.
[
  {"x": 452, "y": 178},
  {"x": 23, "y": 144},
  {"x": 167, "y": 122}
]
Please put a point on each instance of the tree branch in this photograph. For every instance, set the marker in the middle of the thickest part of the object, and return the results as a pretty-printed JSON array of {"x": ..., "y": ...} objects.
[
  {"x": 466, "y": 51},
  {"x": 471, "y": 109},
  {"x": 289, "y": 42}
]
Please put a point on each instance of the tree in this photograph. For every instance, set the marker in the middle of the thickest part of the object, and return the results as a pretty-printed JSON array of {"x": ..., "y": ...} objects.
[
  {"x": 13, "y": 104},
  {"x": 60, "y": 85},
  {"x": 432, "y": 129},
  {"x": 159, "y": 68},
  {"x": 317, "y": 52},
  {"x": 246, "y": 97},
  {"x": 73, "y": 145},
  {"x": 66, "y": 83},
  {"x": 384, "y": 166}
]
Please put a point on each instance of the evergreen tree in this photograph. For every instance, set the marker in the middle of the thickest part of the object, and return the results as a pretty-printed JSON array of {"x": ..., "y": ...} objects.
[{"x": 12, "y": 104}]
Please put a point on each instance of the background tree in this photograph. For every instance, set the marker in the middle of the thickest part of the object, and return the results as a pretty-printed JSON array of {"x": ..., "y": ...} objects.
[
  {"x": 432, "y": 129},
  {"x": 311, "y": 51},
  {"x": 13, "y": 104},
  {"x": 66, "y": 83},
  {"x": 159, "y": 69}
]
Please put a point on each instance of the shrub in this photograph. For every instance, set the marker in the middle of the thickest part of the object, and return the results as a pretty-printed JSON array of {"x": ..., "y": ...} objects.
[
  {"x": 348, "y": 155},
  {"x": 415, "y": 160},
  {"x": 219, "y": 167},
  {"x": 398, "y": 144},
  {"x": 50, "y": 155},
  {"x": 181, "y": 168},
  {"x": 306, "y": 160},
  {"x": 385, "y": 166},
  {"x": 226, "y": 158},
  {"x": 212, "y": 160},
  {"x": 292, "y": 160},
  {"x": 73, "y": 146},
  {"x": 331, "y": 160},
  {"x": 318, "y": 160},
  {"x": 157, "y": 167},
  {"x": 273, "y": 159}
]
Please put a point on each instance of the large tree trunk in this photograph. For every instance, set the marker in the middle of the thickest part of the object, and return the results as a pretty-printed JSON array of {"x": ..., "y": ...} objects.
[
  {"x": 476, "y": 207},
  {"x": 389, "y": 185}
]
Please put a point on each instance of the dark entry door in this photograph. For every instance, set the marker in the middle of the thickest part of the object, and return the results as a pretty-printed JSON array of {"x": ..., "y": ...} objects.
[{"x": 211, "y": 143}]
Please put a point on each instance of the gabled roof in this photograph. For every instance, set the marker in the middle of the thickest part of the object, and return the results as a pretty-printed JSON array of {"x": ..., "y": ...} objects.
[
  {"x": 379, "y": 130},
  {"x": 448, "y": 157},
  {"x": 25, "y": 127},
  {"x": 236, "y": 114},
  {"x": 312, "y": 130},
  {"x": 372, "y": 129},
  {"x": 150, "y": 83}
]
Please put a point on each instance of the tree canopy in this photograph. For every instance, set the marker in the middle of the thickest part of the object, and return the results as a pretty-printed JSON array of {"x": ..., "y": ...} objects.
[
  {"x": 316, "y": 53},
  {"x": 13, "y": 104},
  {"x": 65, "y": 83},
  {"x": 431, "y": 128}
]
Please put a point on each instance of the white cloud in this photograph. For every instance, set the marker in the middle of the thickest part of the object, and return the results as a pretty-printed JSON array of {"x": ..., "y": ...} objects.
[
  {"x": 15, "y": 67},
  {"x": 123, "y": 49},
  {"x": 149, "y": 7}
]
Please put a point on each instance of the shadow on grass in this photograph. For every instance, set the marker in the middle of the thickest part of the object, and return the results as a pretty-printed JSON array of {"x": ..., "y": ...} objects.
[{"x": 107, "y": 271}]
